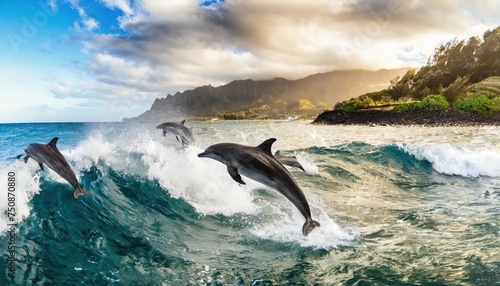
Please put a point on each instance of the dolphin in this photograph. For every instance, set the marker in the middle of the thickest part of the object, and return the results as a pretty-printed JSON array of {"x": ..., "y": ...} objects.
[
  {"x": 288, "y": 161},
  {"x": 259, "y": 164},
  {"x": 49, "y": 154},
  {"x": 179, "y": 130}
]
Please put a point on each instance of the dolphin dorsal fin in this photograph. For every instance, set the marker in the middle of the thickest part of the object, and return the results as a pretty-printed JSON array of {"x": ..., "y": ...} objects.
[
  {"x": 182, "y": 122},
  {"x": 266, "y": 145},
  {"x": 53, "y": 142}
]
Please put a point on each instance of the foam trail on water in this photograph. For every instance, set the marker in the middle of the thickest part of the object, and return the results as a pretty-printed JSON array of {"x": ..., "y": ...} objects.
[
  {"x": 451, "y": 160},
  {"x": 307, "y": 162},
  {"x": 284, "y": 224},
  {"x": 318, "y": 139},
  {"x": 27, "y": 185}
]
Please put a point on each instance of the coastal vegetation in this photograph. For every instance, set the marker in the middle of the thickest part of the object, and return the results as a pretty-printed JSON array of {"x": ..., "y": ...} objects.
[{"x": 462, "y": 75}]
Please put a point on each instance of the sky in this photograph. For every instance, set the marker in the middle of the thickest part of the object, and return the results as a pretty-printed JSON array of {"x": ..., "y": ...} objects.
[{"x": 103, "y": 60}]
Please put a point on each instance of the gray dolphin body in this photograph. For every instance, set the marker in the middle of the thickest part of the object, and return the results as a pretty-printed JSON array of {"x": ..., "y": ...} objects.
[
  {"x": 49, "y": 155},
  {"x": 259, "y": 164},
  {"x": 179, "y": 130},
  {"x": 288, "y": 161}
]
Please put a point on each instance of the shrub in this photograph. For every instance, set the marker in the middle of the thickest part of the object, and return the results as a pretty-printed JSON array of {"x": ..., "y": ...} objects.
[
  {"x": 496, "y": 101},
  {"x": 477, "y": 103},
  {"x": 434, "y": 102},
  {"x": 378, "y": 95},
  {"x": 338, "y": 105},
  {"x": 407, "y": 106},
  {"x": 235, "y": 115},
  {"x": 352, "y": 105}
]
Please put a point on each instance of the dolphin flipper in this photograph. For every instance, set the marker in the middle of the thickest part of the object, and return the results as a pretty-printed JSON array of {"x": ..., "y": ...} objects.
[
  {"x": 26, "y": 158},
  {"x": 41, "y": 166},
  {"x": 309, "y": 225},
  {"x": 184, "y": 141},
  {"x": 164, "y": 133},
  {"x": 234, "y": 174}
]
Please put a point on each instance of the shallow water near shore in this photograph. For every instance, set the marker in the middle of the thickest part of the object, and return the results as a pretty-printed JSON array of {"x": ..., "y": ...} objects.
[{"x": 397, "y": 206}]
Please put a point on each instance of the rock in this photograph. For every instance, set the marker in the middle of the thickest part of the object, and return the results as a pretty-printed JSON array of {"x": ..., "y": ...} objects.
[{"x": 422, "y": 117}]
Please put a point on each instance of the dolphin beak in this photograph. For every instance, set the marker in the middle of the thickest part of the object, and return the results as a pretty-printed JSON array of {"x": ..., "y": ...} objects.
[{"x": 204, "y": 154}]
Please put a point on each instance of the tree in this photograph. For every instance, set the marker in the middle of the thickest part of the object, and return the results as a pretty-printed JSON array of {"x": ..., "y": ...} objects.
[
  {"x": 402, "y": 87},
  {"x": 456, "y": 90},
  {"x": 488, "y": 56}
]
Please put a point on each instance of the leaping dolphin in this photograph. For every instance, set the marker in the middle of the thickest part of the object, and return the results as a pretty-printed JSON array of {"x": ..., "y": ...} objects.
[
  {"x": 49, "y": 155},
  {"x": 179, "y": 130},
  {"x": 288, "y": 161},
  {"x": 259, "y": 164}
]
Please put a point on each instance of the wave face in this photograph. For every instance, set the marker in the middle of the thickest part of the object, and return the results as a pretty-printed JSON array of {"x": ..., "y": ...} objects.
[{"x": 159, "y": 215}]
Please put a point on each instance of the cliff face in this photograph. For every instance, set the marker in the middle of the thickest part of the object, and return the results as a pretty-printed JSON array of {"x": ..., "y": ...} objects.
[{"x": 309, "y": 95}]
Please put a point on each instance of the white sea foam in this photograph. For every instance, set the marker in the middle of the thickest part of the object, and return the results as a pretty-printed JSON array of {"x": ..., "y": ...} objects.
[
  {"x": 285, "y": 225},
  {"x": 27, "y": 185},
  {"x": 452, "y": 160}
]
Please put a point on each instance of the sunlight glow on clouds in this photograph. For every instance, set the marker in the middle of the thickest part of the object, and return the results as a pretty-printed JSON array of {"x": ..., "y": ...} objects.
[{"x": 129, "y": 52}]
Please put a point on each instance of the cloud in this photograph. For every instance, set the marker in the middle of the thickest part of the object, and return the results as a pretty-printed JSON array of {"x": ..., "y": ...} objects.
[
  {"x": 52, "y": 4},
  {"x": 88, "y": 22},
  {"x": 169, "y": 46},
  {"x": 123, "y": 5},
  {"x": 46, "y": 48}
]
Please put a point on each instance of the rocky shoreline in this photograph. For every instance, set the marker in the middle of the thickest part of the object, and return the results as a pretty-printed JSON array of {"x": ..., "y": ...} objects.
[{"x": 421, "y": 117}]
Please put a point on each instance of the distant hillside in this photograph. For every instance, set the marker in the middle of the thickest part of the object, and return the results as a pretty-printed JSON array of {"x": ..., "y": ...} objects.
[{"x": 270, "y": 98}]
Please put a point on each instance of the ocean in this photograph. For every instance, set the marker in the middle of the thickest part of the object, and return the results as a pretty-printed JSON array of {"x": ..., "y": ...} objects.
[{"x": 397, "y": 206}]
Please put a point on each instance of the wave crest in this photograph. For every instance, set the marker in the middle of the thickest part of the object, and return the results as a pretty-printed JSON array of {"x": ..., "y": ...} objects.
[{"x": 451, "y": 160}]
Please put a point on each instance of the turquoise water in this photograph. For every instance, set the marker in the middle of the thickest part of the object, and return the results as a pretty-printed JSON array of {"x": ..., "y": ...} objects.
[{"x": 397, "y": 206}]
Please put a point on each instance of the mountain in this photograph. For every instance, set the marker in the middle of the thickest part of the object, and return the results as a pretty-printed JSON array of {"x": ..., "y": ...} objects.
[{"x": 270, "y": 98}]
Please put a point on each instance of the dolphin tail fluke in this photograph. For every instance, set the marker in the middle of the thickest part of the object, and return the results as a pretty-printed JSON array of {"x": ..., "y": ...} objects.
[
  {"x": 19, "y": 156},
  {"x": 79, "y": 191},
  {"x": 309, "y": 225}
]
